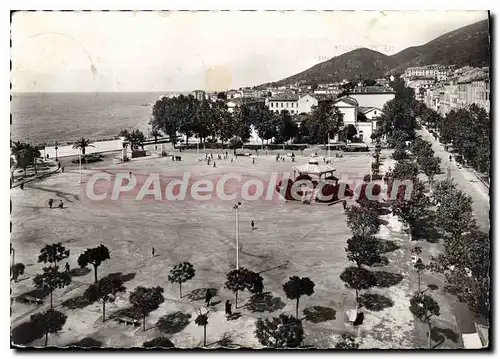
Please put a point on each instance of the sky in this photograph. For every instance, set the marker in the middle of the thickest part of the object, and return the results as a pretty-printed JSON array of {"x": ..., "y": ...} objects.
[{"x": 183, "y": 51}]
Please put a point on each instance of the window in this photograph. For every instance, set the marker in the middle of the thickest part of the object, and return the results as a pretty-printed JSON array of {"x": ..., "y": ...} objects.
[
  {"x": 271, "y": 104},
  {"x": 282, "y": 104},
  {"x": 287, "y": 105}
]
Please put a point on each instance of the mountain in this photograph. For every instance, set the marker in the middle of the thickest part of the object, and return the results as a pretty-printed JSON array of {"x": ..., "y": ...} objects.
[{"x": 469, "y": 45}]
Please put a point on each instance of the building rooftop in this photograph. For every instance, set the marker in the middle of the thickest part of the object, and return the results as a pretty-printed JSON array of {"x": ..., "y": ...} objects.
[
  {"x": 348, "y": 100},
  {"x": 284, "y": 97},
  {"x": 372, "y": 89}
]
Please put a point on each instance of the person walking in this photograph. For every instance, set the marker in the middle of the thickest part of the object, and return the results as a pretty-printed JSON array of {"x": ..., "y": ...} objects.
[
  {"x": 228, "y": 309},
  {"x": 253, "y": 160},
  {"x": 208, "y": 297},
  {"x": 51, "y": 202},
  {"x": 22, "y": 185},
  {"x": 450, "y": 158},
  {"x": 66, "y": 267},
  {"x": 214, "y": 164},
  {"x": 252, "y": 224},
  {"x": 153, "y": 251},
  {"x": 61, "y": 204}
]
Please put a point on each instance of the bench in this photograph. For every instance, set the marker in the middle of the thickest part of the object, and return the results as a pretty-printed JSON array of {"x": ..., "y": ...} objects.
[
  {"x": 30, "y": 300},
  {"x": 128, "y": 321}
]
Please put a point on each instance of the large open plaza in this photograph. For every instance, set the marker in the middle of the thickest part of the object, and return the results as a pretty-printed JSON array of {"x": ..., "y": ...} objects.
[{"x": 290, "y": 238}]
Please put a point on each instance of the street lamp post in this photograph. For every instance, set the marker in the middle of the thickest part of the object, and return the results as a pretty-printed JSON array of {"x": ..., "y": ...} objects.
[
  {"x": 56, "y": 148},
  {"x": 236, "y": 208},
  {"x": 80, "y": 162}
]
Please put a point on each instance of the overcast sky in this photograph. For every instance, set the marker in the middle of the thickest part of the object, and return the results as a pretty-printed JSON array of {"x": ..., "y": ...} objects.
[{"x": 182, "y": 51}]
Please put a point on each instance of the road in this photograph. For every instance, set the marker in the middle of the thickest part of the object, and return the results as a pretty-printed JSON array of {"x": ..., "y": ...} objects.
[
  {"x": 466, "y": 181},
  {"x": 479, "y": 193}
]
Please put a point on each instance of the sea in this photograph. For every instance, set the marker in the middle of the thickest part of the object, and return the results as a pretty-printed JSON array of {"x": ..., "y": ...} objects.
[{"x": 46, "y": 118}]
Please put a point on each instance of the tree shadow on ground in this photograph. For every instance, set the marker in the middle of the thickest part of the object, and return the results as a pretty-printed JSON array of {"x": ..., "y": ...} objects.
[
  {"x": 78, "y": 272},
  {"x": 383, "y": 212},
  {"x": 386, "y": 246},
  {"x": 386, "y": 279},
  {"x": 124, "y": 277},
  {"x": 432, "y": 286},
  {"x": 81, "y": 301},
  {"x": 87, "y": 342},
  {"x": 375, "y": 302},
  {"x": 440, "y": 334},
  {"x": 130, "y": 312},
  {"x": 382, "y": 262},
  {"x": 200, "y": 293},
  {"x": 318, "y": 314},
  {"x": 264, "y": 302},
  {"x": 225, "y": 341},
  {"x": 173, "y": 323},
  {"x": 39, "y": 293},
  {"x": 64, "y": 195},
  {"x": 76, "y": 302},
  {"x": 234, "y": 316}
]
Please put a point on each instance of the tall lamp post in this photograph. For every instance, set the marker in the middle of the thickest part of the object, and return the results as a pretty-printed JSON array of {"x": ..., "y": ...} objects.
[
  {"x": 56, "y": 148},
  {"x": 236, "y": 208}
]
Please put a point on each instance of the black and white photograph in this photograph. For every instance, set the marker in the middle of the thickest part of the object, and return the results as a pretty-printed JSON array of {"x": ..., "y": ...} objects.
[{"x": 250, "y": 180}]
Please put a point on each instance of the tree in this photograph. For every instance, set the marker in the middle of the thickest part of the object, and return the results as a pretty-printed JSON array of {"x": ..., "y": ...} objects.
[
  {"x": 405, "y": 170},
  {"x": 297, "y": 287},
  {"x": 287, "y": 128},
  {"x": 146, "y": 300},
  {"x": 326, "y": 119},
  {"x": 105, "y": 288},
  {"x": 419, "y": 266},
  {"x": 50, "y": 321},
  {"x": 350, "y": 131},
  {"x": 413, "y": 209},
  {"x": 181, "y": 273},
  {"x": 52, "y": 279},
  {"x": 369, "y": 82},
  {"x": 155, "y": 133},
  {"x": 94, "y": 256},
  {"x": 82, "y": 144},
  {"x": 348, "y": 342},
  {"x": 363, "y": 250},
  {"x": 465, "y": 262},
  {"x": 430, "y": 166},
  {"x": 358, "y": 278},
  {"x": 53, "y": 253},
  {"x": 24, "y": 155},
  {"x": 234, "y": 143},
  {"x": 363, "y": 221},
  {"x": 221, "y": 96},
  {"x": 202, "y": 321},
  {"x": 243, "y": 279},
  {"x": 284, "y": 331},
  {"x": 136, "y": 139},
  {"x": 454, "y": 210},
  {"x": 241, "y": 121},
  {"x": 158, "y": 342},
  {"x": 424, "y": 307},
  {"x": 16, "y": 270},
  {"x": 399, "y": 154}
]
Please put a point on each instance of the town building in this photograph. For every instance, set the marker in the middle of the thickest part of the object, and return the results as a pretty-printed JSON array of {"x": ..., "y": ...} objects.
[
  {"x": 280, "y": 102},
  {"x": 200, "y": 95},
  {"x": 372, "y": 96}
]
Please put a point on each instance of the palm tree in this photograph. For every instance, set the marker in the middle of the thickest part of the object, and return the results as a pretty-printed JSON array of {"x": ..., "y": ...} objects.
[
  {"x": 202, "y": 321},
  {"x": 155, "y": 134},
  {"x": 82, "y": 144}
]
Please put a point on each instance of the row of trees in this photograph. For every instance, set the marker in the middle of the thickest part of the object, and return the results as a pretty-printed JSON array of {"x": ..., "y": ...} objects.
[
  {"x": 468, "y": 129},
  {"x": 212, "y": 120}
]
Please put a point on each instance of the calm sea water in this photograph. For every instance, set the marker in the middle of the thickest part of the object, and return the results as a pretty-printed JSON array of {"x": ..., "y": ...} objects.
[{"x": 65, "y": 117}]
